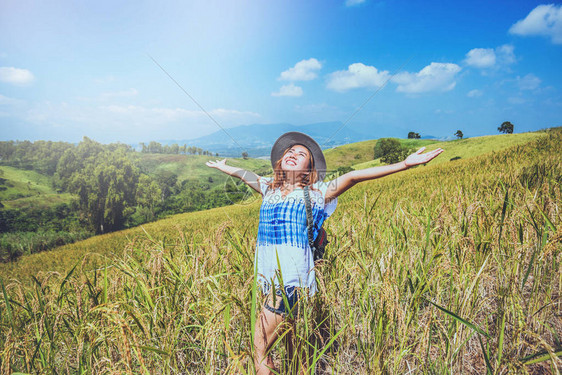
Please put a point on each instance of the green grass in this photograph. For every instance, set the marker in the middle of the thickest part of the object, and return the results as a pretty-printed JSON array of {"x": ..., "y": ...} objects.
[
  {"x": 40, "y": 201},
  {"x": 29, "y": 189},
  {"x": 24, "y": 183}
]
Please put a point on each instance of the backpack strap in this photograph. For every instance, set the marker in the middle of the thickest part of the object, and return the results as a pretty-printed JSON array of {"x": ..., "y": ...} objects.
[
  {"x": 309, "y": 219},
  {"x": 262, "y": 184}
]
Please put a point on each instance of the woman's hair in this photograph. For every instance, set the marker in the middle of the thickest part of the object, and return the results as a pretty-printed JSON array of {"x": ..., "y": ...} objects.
[{"x": 279, "y": 173}]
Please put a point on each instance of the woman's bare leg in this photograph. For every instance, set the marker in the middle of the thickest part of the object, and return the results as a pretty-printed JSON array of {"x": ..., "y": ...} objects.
[{"x": 268, "y": 327}]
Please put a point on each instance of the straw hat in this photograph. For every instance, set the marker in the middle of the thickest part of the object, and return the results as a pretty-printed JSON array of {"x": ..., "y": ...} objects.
[{"x": 296, "y": 138}]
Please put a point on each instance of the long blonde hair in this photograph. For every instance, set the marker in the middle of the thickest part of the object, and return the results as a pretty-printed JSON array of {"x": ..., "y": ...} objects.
[{"x": 280, "y": 176}]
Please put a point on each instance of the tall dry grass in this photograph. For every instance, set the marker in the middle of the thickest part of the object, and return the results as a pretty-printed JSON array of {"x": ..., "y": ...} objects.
[{"x": 452, "y": 268}]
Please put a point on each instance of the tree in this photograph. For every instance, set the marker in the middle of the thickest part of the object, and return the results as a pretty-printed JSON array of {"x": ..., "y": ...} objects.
[
  {"x": 396, "y": 156},
  {"x": 148, "y": 195},
  {"x": 245, "y": 155},
  {"x": 167, "y": 182},
  {"x": 506, "y": 127},
  {"x": 105, "y": 180},
  {"x": 459, "y": 134},
  {"x": 175, "y": 149},
  {"x": 155, "y": 147},
  {"x": 386, "y": 146},
  {"x": 390, "y": 150},
  {"x": 413, "y": 135}
]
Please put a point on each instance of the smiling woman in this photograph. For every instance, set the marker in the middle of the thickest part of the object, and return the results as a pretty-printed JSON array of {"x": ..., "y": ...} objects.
[{"x": 296, "y": 158}]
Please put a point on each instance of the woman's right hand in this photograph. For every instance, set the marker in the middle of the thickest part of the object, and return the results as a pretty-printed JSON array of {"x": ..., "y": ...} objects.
[
  {"x": 218, "y": 164},
  {"x": 250, "y": 178}
]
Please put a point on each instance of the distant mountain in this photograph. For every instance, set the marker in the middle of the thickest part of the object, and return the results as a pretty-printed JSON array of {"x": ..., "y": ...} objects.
[{"x": 257, "y": 139}]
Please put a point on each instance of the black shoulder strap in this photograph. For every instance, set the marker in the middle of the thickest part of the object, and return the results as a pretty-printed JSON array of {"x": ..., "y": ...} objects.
[{"x": 309, "y": 220}]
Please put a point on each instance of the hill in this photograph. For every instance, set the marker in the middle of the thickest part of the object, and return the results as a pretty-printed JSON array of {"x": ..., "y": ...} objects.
[
  {"x": 21, "y": 188},
  {"x": 354, "y": 154},
  {"x": 446, "y": 268},
  {"x": 193, "y": 167},
  {"x": 360, "y": 155}
]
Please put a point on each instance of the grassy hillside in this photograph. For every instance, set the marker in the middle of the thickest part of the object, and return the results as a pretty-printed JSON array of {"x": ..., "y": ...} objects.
[
  {"x": 360, "y": 152},
  {"x": 463, "y": 148},
  {"x": 23, "y": 188},
  {"x": 448, "y": 268}
]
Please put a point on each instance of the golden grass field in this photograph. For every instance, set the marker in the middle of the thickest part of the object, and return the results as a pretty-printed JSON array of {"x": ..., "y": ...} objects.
[{"x": 453, "y": 267}]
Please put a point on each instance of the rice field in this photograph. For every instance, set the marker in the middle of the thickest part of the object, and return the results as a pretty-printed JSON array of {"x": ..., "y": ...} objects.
[{"x": 444, "y": 269}]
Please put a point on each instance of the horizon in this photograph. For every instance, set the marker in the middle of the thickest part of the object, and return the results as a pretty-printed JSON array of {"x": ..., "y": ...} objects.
[
  {"x": 135, "y": 145},
  {"x": 71, "y": 70}
]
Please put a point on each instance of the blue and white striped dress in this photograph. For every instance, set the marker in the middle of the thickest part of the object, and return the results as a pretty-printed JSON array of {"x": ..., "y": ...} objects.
[{"x": 283, "y": 237}]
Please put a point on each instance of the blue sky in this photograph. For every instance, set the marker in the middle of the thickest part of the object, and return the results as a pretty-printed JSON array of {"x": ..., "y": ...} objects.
[{"x": 70, "y": 69}]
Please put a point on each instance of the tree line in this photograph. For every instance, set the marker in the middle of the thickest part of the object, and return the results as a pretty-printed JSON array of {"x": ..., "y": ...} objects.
[{"x": 157, "y": 148}]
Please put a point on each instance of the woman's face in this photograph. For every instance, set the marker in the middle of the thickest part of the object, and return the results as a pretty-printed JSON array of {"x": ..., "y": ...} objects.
[{"x": 296, "y": 159}]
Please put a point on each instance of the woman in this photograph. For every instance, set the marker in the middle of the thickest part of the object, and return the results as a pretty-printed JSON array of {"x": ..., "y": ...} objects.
[{"x": 284, "y": 258}]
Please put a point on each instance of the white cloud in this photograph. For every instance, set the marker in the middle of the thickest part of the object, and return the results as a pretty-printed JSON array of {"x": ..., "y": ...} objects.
[
  {"x": 544, "y": 20},
  {"x": 529, "y": 82},
  {"x": 159, "y": 114},
  {"x": 434, "y": 77},
  {"x": 505, "y": 54},
  {"x": 288, "y": 90},
  {"x": 474, "y": 93},
  {"x": 304, "y": 70},
  {"x": 16, "y": 76},
  {"x": 108, "y": 123},
  {"x": 356, "y": 76},
  {"x": 351, "y": 3},
  {"x": 481, "y": 57},
  {"x": 488, "y": 57}
]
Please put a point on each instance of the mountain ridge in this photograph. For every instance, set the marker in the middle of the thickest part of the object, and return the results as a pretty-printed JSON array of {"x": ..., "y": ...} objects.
[{"x": 257, "y": 139}]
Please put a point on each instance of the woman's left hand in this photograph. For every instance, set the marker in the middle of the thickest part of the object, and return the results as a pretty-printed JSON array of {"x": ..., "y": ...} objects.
[{"x": 419, "y": 158}]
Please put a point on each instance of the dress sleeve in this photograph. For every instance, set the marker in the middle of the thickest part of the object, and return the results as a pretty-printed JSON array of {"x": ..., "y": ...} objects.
[
  {"x": 329, "y": 207},
  {"x": 264, "y": 181}
]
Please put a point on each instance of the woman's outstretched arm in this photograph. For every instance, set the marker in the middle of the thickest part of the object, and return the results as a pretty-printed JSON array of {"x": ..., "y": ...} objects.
[
  {"x": 250, "y": 178},
  {"x": 346, "y": 181}
]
